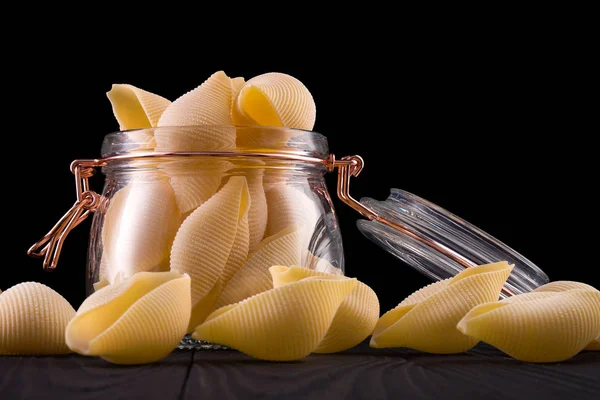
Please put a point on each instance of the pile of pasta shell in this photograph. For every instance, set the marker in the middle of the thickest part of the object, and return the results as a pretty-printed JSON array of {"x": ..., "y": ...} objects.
[
  {"x": 553, "y": 323},
  {"x": 223, "y": 256}
]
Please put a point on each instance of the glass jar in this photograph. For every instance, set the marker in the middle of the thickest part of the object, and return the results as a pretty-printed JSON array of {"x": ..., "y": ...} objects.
[{"x": 140, "y": 222}]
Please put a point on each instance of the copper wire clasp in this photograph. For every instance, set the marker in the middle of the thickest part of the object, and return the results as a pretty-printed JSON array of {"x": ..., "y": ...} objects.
[
  {"x": 87, "y": 201},
  {"x": 351, "y": 166}
]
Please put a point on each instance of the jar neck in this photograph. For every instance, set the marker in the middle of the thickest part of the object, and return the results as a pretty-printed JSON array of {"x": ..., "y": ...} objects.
[{"x": 200, "y": 166}]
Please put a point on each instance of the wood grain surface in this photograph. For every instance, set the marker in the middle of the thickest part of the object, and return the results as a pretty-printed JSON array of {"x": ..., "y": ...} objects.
[{"x": 359, "y": 373}]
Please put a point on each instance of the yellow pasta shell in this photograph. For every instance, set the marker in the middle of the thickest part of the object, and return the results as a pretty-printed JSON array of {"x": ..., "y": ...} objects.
[
  {"x": 561, "y": 286},
  {"x": 594, "y": 345},
  {"x": 205, "y": 240},
  {"x": 139, "y": 228},
  {"x": 236, "y": 86},
  {"x": 281, "y": 324},
  {"x": 355, "y": 318},
  {"x": 290, "y": 206},
  {"x": 427, "y": 320},
  {"x": 275, "y": 99},
  {"x": 194, "y": 182},
  {"x": 33, "y": 318},
  {"x": 208, "y": 105},
  {"x": 254, "y": 277},
  {"x": 102, "y": 282},
  {"x": 544, "y": 326},
  {"x": 135, "y": 108},
  {"x": 139, "y": 320}
]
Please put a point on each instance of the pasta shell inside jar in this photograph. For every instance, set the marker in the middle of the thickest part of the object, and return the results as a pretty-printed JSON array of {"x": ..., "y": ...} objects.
[{"x": 219, "y": 213}]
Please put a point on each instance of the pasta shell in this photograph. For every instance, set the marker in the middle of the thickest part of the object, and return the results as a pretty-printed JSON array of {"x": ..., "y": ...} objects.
[
  {"x": 33, "y": 318},
  {"x": 236, "y": 86},
  {"x": 594, "y": 345},
  {"x": 135, "y": 108},
  {"x": 140, "y": 224},
  {"x": 139, "y": 320},
  {"x": 281, "y": 324},
  {"x": 561, "y": 286},
  {"x": 205, "y": 241},
  {"x": 290, "y": 206},
  {"x": 355, "y": 318},
  {"x": 102, "y": 283},
  {"x": 542, "y": 326},
  {"x": 275, "y": 99},
  {"x": 427, "y": 320},
  {"x": 208, "y": 105},
  {"x": 194, "y": 182},
  {"x": 257, "y": 217},
  {"x": 254, "y": 277}
]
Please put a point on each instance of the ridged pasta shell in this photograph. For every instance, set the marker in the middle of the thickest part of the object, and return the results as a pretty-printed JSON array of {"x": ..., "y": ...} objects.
[
  {"x": 254, "y": 277},
  {"x": 139, "y": 320},
  {"x": 135, "y": 108},
  {"x": 236, "y": 86},
  {"x": 194, "y": 183},
  {"x": 594, "y": 345},
  {"x": 290, "y": 206},
  {"x": 275, "y": 99},
  {"x": 33, "y": 318},
  {"x": 427, "y": 320},
  {"x": 282, "y": 324},
  {"x": 257, "y": 215},
  {"x": 205, "y": 241},
  {"x": 210, "y": 105},
  {"x": 561, "y": 286},
  {"x": 544, "y": 326},
  {"x": 139, "y": 228},
  {"x": 102, "y": 283},
  {"x": 355, "y": 318}
]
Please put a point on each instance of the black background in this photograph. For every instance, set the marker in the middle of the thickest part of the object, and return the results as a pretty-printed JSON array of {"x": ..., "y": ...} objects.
[{"x": 491, "y": 127}]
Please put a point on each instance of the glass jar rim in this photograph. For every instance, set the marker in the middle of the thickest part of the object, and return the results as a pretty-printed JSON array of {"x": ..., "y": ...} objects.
[{"x": 238, "y": 139}]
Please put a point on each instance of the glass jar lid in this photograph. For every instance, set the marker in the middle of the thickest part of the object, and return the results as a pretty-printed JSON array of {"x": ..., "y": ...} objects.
[{"x": 455, "y": 241}]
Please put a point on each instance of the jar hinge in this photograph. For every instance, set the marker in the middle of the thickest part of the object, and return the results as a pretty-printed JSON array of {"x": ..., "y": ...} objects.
[{"x": 87, "y": 201}]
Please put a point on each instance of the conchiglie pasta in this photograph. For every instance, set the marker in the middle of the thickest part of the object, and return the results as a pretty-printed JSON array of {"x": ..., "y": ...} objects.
[
  {"x": 274, "y": 99},
  {"x": 355, "y": 319},
  {"x": 257, "y": 214},
  {"x": 194, "y": 182},
  {"x": 136, "y": 321},
  {"x": 427, "y": 320},
  {"x": 139, "y": 228},
  {"x": 205, "y": 241},
  {"x": 254, "y": 277},
  {"x": 236, "y": 86},
  {"x": 135, "y": 108},
  {"x": 33, "y": 319},
  {"x": 201, "y": 119},
  {"x": 281, "y": 324},
  {"x": 287, "y": 206},
  {"x": 541, "y": 326},
  {"x": 594, "y": 344},
  {"x": 561, "y": 286}
]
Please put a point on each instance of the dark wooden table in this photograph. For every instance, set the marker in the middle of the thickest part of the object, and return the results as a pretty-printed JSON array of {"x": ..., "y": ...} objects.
[{"x": 359, "y": 373}]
